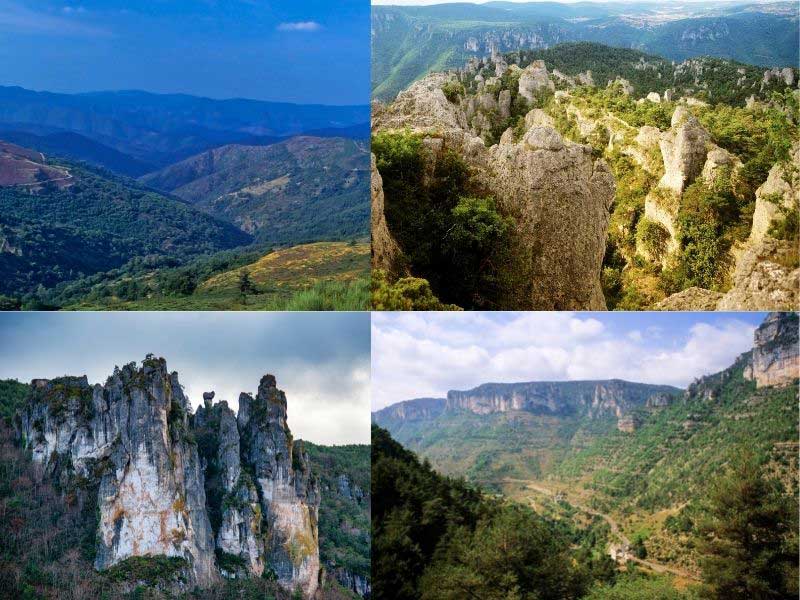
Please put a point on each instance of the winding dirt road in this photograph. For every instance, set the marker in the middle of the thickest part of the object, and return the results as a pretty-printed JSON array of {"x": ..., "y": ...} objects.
[{"x": 615, "y": 529}]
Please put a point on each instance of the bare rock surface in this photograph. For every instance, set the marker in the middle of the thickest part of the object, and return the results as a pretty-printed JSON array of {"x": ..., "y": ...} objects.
[{"x": 384, "y": 248}]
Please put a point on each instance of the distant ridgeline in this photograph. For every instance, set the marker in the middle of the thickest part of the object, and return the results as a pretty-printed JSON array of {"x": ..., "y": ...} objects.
[
  {"x": 142, "y": 493},
  {"x": 410, "y": 41},
  {"x": 631, "y": 451},
  {"x": 221, "y": 182}
]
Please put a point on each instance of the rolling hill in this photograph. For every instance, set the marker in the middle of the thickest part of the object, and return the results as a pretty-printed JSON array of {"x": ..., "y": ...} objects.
[
  {"x": 161, "y": 129},
  {"x": 316, "y": 276},
  {"x": 300, "y": 190},
  {"x": 60, "y": 221}
]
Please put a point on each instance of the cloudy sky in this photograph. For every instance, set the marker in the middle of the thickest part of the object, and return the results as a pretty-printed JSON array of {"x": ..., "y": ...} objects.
[
  {"x": 426, "y": 354},
  {"x": 313, "y": 51},
  {"x": 321, "y": 360}
]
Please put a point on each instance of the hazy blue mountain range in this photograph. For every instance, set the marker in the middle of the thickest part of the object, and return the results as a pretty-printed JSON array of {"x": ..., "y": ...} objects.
[
  {"x": 159, "y": 129},
  {"x": 409, "y": 42}
]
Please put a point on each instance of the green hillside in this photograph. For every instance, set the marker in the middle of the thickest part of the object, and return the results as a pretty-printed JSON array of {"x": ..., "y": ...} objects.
[
  {"x": 318, "y": 276},
  {"x": 300, "y": 190},
  {"x": 97, "y": 223},
  {"x": 344, "y": 538}
]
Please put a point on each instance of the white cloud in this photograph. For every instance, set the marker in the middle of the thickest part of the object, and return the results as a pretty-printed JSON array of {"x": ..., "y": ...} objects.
[
  {"x": 418, "y": 355},
  {"x": 300, "y": 26}
]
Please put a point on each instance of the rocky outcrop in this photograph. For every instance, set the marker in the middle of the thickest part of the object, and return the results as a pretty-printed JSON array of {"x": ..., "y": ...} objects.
[
  {"x": 286, "y": 489},
  {"x": 684, "y": 149},
  {"x": 627, "y": 423},
  {"x": 720, "y": 165},
  {"x": 693, "y": 298},
  {"x": 776, "y": 351},
  {"x": 560, "y": 197},
  {"x": 534, "y": 79},
  {"x": 764, "y": 278},
  {"x": 129, "y": 440},
  {"x": 781, "y": 191},
  {"x": 169, "y": 483},
  {"x": 556, "y": 191},
  {"x": 238, "y": 526},
  {"x": 385, "y": 250}
]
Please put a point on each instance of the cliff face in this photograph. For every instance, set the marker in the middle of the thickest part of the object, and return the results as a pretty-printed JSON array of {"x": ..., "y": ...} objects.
[
  {"x": 287, "y": 492},
  {"x": 130, "y": 437},
  {"x": 776, "y": 353},
  {"x": 411, "y": 410},
  {"x": 231, "y": 497},
  {"x": 593, "y": 398}
]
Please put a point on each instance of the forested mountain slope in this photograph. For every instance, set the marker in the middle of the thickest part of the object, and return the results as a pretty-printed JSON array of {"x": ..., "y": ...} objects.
[{"x": 410, "y": 42}]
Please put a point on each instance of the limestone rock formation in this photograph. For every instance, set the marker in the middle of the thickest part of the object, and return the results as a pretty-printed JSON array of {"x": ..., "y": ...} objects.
[
  {"x": 781, "y": 190},
  {"x": 763, "y": 278},
  {"x": 288, "y": 493},
  {"x": 533, "y": 79},
  {"x": 627, "y": 423},
  {"x": 593, "y": 398},
  {"x": 169, "y": 483},
  {"x": 776, "y": 351},
  {"x": 684, "y": 149},
  {"x": 693, "y": 298},
  {"x": 130, "y": 439},
  {"x": 384, "y": 248},
  {"x": 560, "y": 197},
  {"x": 557, "y": 192}
]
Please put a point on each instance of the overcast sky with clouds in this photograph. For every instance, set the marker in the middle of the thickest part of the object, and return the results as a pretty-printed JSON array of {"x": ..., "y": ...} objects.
[
  {"x": 313, "y": 51},
  {"x": 418, "y": 355},
  {"x": 321, "y": 360}
]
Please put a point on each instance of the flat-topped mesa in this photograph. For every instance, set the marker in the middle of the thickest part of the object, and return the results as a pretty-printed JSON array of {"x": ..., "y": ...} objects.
[
  {"x": 128, "y": 441},
  {"x": 287, "y": 491},
  {"x": 776, "y": 351},
  {"x": 561, "y": 398}
]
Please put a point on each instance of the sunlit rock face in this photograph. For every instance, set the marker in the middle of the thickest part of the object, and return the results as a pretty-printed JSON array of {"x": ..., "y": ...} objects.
[
  {"x": 776, "y": 351},
  {"x": 128, "y": 437},
  {"x": 288, "y": 493}
]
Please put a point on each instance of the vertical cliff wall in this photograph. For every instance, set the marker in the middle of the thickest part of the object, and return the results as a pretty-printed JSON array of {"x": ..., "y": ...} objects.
[
  {"x": 229, "y": 496},
  {"x": 129, "y": 438},
  {"x": 776, "y": 351},
  {"x": 288, "y": 494}
]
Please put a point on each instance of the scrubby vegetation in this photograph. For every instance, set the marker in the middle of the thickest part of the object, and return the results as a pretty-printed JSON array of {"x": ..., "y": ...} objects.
[
  {"x": 452, "y": 238},
  {"x": 345, "y": 539}
]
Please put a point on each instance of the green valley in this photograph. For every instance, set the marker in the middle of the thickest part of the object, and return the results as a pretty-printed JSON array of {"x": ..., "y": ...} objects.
[{"x": 653, "y": 480}]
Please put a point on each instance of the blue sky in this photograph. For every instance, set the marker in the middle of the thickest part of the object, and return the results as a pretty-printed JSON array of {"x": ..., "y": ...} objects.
[
  {"x": 426, "y": 354},
  {"x": 309, "y": 51},
  {"x": 321, "y": 360}
]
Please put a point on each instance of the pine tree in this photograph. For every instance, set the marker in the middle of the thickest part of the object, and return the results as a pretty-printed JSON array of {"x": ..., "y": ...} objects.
[{"x": 747, "y": 536}]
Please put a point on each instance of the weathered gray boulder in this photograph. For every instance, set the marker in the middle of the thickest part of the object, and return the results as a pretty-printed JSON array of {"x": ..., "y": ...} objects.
[
  {"x": 534, "y": 79},
  {"x": 684, "y": 149}
]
